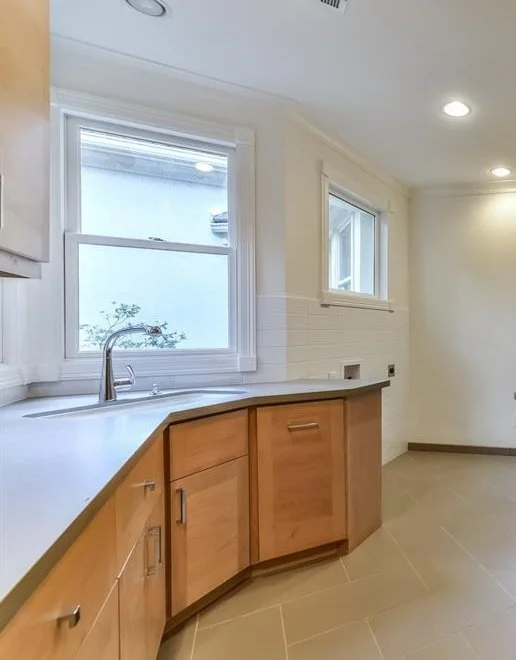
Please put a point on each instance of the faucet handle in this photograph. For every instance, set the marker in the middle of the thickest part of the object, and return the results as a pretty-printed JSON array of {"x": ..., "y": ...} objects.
[{"x": 126, "y": 382}]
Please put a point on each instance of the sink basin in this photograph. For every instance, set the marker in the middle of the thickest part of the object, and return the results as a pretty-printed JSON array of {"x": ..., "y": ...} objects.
[{"x": 166, "y": 400}]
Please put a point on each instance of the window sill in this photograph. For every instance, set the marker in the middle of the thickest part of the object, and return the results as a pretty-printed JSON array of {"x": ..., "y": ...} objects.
[{"x": 340, "y": 299}]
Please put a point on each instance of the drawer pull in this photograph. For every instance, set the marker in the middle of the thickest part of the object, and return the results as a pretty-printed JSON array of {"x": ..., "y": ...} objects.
[
  {"x": 154, "y": 533},
  {"x": 184, "y": 511},
  {"x": 303, "y": 427},
  {"x": 146, "y": 485},
  {"x": 71, "y": 618}
]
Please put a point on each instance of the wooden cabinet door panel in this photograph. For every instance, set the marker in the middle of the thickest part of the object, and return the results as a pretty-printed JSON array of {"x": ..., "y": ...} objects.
[
  {"x": 155, "y": 584},
  {"x": 103, "y": 640},
  {"x": 133, "y": 620},
  {"x": 24, "y": 127},
  {"x": 301, "y": 477},
  {"x": 210, "y": 530}
]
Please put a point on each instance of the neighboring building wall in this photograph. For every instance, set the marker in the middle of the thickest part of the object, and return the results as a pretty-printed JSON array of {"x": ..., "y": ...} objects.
[{"x": 463, "y": 318}]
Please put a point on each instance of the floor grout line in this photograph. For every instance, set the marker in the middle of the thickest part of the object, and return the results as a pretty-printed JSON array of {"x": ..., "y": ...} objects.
[
  {"x": 481, "y": 566},
  {"x": 380, "y": 652},
  {"x": 408, "y": 560},
  {"x": 194, "y": 637},
  {"x": 325, "y": 632},
  {"x": 468, "y": 644},
  {"x": 284, "y": 632},
  {"x": 341, "y": 559}
]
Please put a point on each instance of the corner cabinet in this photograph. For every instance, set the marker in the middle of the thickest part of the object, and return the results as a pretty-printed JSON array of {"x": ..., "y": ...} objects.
[
  {"x": 301, "y": 477},
  {"x": 24, "y": 136}
]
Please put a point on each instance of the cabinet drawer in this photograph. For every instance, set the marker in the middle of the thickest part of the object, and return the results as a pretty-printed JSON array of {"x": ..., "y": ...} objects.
[
  {"x": 81, "y": 579},
  {"x": 136, "y": 497},
  {"x": 204, "y": 443},
  {"x": 102, "y": 642}
]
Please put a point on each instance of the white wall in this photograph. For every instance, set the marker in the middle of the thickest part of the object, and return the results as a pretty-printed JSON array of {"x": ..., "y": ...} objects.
[{"x": 463, "y": 318}]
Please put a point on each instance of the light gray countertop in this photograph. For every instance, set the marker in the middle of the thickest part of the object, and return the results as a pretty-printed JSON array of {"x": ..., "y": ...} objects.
[{"x": 55, "y": 473}]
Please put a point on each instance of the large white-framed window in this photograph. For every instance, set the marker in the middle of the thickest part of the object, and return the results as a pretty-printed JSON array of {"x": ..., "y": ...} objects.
[
  {"x": 354, "y": 249},
  {"x": 157, "y": 222}
]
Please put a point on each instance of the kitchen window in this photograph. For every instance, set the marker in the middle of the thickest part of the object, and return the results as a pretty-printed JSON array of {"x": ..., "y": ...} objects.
[
  {"x": 353, "y": 250},
  {"x": 159, "y": 229}
]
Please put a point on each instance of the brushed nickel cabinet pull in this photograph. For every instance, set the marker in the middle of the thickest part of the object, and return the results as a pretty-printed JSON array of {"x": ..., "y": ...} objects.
[
  {"x": 72, "y": 618},
  {"x": 303, "y": 427},
  {"x": 184, "y": 511},
  {"x": 154, "y": 533},
  {"x": 146, "y": 485}
]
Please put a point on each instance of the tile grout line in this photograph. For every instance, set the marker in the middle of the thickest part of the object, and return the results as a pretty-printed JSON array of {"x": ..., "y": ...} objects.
[
  {"x": 408, "y": 560},
  {"x": 325, "y": 632},
  {"x": 341, "y": 559},
  {"x": 482, "y": 567},
  {"x": 468, "y": 644},
  {"x": 284, "y": 632},
  {"x": 194, "y": 637},
  {"x": 380, "y": 652}
]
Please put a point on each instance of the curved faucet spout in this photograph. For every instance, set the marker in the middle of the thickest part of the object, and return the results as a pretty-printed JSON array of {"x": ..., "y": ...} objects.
[{"x": 108, "y": 383}]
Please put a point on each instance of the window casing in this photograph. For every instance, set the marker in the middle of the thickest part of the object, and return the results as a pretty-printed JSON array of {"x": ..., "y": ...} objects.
[
  {"x": 220, "y": 263},
  {"x": 354, "y": 250}
]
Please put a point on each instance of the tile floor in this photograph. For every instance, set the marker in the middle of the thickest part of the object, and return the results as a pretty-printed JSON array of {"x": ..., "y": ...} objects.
[{"x": 437, "y": 582}]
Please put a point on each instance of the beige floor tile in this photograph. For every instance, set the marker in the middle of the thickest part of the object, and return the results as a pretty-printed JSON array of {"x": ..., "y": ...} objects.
[
  {"x": 352, "y": 642},
  {"x": 272, "y": 590},
  {"x": 409, "y": 627},
  {"x": 179, "y": 647},
  {"x": 255, "y": 637},
  {"x": 378, "y": 553},
  {"x": 453, "y": 648},
  {"x": 494, "y": 638},
  {"x": 351, "y": 602}
]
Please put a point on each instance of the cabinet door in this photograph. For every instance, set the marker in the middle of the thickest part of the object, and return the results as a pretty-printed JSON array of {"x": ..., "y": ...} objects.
[
  {"x": 102, "y": 641},
  {"x": 301, "y": 477},
  {"x": 155, "y": 584},
  {"x": 133, "y": 620},
  {"x": 210, "y": 530},
  {"x": 24, "y": 127}
]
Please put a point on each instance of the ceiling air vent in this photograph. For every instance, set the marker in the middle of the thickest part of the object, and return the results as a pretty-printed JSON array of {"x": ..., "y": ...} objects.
[{"x": 336, "y": 4}]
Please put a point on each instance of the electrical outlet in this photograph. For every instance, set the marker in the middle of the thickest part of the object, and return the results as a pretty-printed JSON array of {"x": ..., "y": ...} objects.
[{"x": 391, "y": 371}]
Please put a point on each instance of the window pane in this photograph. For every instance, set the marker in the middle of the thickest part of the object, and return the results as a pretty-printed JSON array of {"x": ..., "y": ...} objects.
[
  {"x": 185, "y": 293},
  {"x": 352, "y": 247},
  {"x": 134, "y": 188}
]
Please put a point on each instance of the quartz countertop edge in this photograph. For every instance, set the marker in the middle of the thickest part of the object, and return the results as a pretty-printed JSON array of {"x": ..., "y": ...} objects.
[{"x": 113, "y": 446}]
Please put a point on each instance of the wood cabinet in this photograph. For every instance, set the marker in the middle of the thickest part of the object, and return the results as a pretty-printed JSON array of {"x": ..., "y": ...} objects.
[
  {"x": 24, "y": 136},
  {"x": 210, "y": 530},
  {"x": 142, "y": 593},
  {"x": 300, "y": 465},
  {"x": 103, "y": 640}
]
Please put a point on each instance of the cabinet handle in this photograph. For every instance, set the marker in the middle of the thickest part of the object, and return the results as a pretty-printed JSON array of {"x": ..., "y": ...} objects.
[
  {"x": 72, "y": 618},
  {"x": 146, "y": 485},
  {"x": 303, "y": 427},
  {"x": 154, "y": 533},
  {"x": 184, "y": 511}
]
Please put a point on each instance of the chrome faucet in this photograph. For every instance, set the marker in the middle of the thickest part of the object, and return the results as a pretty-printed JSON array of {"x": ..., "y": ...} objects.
[{"x": 108, "y": 383}]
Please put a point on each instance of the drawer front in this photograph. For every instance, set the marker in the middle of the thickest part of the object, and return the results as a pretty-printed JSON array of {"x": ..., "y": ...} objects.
[
  {"x": 204, "y": 443},
  {"x": 136, "y": 497},
  {"x": 81, "y": 579},
  {"x": 103, "y": 640}
]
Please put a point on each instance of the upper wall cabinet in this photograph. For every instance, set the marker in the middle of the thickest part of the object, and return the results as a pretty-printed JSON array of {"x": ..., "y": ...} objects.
[{"x": 24, "y": 136}]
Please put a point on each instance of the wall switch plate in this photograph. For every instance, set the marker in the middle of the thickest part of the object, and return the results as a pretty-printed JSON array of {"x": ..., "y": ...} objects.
[{"x": 391, "y": 370}]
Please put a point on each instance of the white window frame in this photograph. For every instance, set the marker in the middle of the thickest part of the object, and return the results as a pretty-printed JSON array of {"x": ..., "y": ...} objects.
[
  {"x": 72, "y": 111},
  {"x": 332, "y": 184}
]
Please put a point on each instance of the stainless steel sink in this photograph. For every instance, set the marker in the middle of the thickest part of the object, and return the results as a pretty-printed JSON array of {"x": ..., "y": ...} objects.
[{"x": 165, "y": 400}]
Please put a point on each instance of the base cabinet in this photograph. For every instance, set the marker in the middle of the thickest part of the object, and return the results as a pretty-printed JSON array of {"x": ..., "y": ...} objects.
[
  {"x": 103, "y": 640},
  {"x": 301, "y": 477},
  {"x": 210, "y": 530},
  {"x": 142, "y": 593}
]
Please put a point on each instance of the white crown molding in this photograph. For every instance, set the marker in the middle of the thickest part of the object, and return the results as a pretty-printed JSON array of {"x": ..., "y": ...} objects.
[
  {"x": 466, "y": 189},
  {"x": 338, "y": 143}
]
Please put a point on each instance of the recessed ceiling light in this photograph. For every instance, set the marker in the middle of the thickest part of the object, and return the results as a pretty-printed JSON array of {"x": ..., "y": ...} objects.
[
  {"x": 148, "y": 7},
  {"x": 456, "y": 109},
  {"x": 500, "y": 172},
  {"x": 204, "y": 167}
]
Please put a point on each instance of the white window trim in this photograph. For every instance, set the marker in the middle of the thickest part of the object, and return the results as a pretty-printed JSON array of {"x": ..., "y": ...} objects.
[
  {"x": 331, "y": 181},
  {"x": 241, "y": 358}
]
